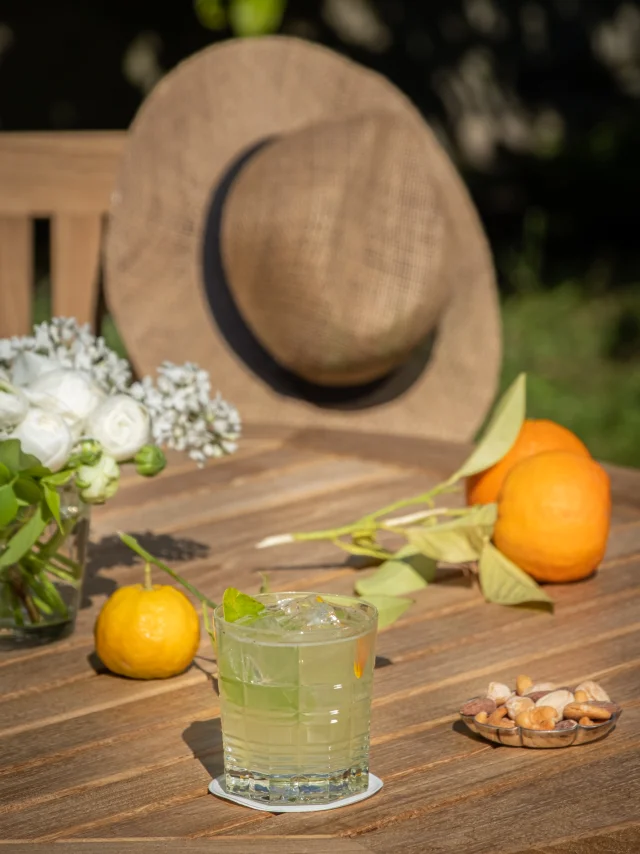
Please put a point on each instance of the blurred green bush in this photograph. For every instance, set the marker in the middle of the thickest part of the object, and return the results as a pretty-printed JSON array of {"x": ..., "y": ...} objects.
[{"x": 582, "y": 357}]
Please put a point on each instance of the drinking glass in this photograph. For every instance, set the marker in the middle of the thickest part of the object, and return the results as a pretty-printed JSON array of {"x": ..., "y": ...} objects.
[{"x": 295, "y": 693}]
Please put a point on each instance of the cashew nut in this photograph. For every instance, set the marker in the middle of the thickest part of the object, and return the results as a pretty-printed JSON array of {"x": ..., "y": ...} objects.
[
  {"x": 523, "y": 685},
  {"x": 496, "y": 717},
  {"x": 538, "y": 718},
  {"x": 557, "y": 699},
  {"x": 515, "y": 705},
  {"x": 499, "y": 692},
  {"x": 542, "y": 686},
  {"x": 593, "y": 691},
  {"x": 575, "y": 711}
]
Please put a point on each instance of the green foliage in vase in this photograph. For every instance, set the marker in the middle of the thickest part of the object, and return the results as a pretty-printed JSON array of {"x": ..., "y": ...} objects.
[{"x": 32, "y": 531}]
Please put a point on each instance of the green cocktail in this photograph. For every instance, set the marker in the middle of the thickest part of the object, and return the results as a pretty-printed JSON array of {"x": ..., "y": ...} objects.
[{"x": 295, "y": 692}]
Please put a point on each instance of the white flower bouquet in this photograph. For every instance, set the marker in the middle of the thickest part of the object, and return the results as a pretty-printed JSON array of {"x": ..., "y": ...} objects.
[{"x": 70, "y": 416}]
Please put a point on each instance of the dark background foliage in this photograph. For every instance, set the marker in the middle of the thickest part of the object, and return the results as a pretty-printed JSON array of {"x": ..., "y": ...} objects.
[{"x": 537, "y": 101}]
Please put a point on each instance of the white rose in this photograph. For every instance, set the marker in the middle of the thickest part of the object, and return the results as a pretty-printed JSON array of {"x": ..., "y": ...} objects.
[
  {"x": 71, "y": 394},
  {"x": 29, "y": 366},
  {"x": 121, "y": 425},
  {"x": 13, "y": 405},
  {"x": 99, "y": 482},
  {"x": 46, "y": 436}
]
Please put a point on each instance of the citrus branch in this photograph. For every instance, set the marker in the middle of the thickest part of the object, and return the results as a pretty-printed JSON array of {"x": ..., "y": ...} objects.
[{"x": 369, "y": 525}]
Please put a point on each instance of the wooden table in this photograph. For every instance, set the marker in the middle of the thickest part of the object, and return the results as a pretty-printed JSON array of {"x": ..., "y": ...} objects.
[{"x": 123, "y": 766}]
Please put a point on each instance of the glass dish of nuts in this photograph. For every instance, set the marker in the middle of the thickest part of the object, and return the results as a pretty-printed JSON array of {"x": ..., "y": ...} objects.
[{"x": 541, "y": 715}]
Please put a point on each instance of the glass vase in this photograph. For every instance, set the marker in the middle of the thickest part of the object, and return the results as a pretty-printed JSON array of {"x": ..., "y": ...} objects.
[{"x": 40, "y": 594}]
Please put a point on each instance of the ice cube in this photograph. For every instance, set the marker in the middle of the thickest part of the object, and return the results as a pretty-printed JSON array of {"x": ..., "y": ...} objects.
[
  {"x": 288, "y": 607},
  {"x": 252, "y": 671},
  {"x": 321, "y": 614},
  {"x": 303, "y": 614},
  {"x": 265, "y": 621}
]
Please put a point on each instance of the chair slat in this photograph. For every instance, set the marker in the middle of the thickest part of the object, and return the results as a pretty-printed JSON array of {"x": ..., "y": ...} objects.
[
  {"x": 16, "y": 275},
  {"x": 61, "y": 172},
  {"x": 75, "y": 259}
]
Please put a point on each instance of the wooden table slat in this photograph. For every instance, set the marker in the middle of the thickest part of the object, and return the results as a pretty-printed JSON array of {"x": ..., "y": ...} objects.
[
  {"x": 181, "y": 846},
  {"x": 120, "y": 765}
]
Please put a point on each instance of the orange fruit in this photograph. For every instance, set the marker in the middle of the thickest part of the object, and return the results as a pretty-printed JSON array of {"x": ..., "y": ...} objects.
[
  {"x": 536, "y": 436},
  {"x": 554, "y": 512},
  {"x": 147, "y": 632}
]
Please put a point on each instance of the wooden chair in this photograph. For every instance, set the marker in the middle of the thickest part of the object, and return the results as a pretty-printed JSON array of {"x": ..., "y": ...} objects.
[{"x": 67, "y": 178}]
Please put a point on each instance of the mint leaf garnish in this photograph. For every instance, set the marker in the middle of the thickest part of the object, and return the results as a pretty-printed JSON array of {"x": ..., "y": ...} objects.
[{"x": 236, "y": 605}]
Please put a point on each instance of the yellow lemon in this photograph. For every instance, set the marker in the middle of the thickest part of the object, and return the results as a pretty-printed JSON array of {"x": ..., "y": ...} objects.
[{"x": 147, "y": 632}]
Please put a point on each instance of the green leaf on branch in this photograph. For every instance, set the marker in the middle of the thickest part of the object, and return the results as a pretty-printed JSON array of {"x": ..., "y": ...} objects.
[
  {"x": 5, "y": 474},
  {"x": 60, "y": 478},
  {"x": 256, "y": 17},
  {"x": 458, "y": 540},
  {"x": 52, "y": 499},
  {"x": 419, "y": 562},
  {"x": 27, "y": 490},
  {"x": 501, "y": 432},
  {"x": 506, "y": 584},
  {"x": 363, "y": 548},
  {"x": 481, "y": 517},
  {"x": 25, "y": 538},
  {"x": 390, "y": 608},
  {"x": 448, "y": 545},
  {"x": 406, "y": 572},
  {"x": 12, "y": 456},
  {"x": 8, "y": 505},
  {"x": 37, "y": 471}
]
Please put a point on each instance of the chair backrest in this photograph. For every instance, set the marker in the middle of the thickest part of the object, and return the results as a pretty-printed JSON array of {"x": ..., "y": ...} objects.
[{"x": 65, "y": 177}]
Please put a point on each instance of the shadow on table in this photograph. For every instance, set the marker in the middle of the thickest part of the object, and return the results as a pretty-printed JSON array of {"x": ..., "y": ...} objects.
[
  {"x": 199, "y": 663},
  {"x": 450, "y": 576},
  {"x": 301, "y": 567},
  {"x": 203, "y": 664},
  {"x": 460, "y": 728},
  {"x": 204, "y": 740},
  {"x": 110, "y": 552},
  {"x": 341, "y": 562}
]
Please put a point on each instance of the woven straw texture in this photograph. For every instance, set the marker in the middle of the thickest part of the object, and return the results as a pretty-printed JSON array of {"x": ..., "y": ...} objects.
[
  {"x": 351, "y": 249},
  {"x": 346, "y": 240}
]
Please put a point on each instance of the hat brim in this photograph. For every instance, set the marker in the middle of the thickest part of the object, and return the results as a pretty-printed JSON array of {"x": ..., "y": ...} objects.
[{"x": 196, "y": 122}]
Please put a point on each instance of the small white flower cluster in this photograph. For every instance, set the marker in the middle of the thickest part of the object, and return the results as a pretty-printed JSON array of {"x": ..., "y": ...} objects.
[
  {"x": 184, "y": 417},
  {"x": 64, "y": 384},
  {"x": 73, "y": 347}
]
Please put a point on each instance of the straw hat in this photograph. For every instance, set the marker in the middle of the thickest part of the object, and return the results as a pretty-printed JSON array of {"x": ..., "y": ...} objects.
[{"x": 286, "y": 219}]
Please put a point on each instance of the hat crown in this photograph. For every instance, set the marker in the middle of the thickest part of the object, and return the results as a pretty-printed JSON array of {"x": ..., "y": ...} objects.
[
  {"x": 179, "y": 181},
  {"x": 332, "y": 241}
]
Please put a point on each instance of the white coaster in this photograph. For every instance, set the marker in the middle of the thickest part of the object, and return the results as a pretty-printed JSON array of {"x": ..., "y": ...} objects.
[{"x": 216, "y": 787}]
